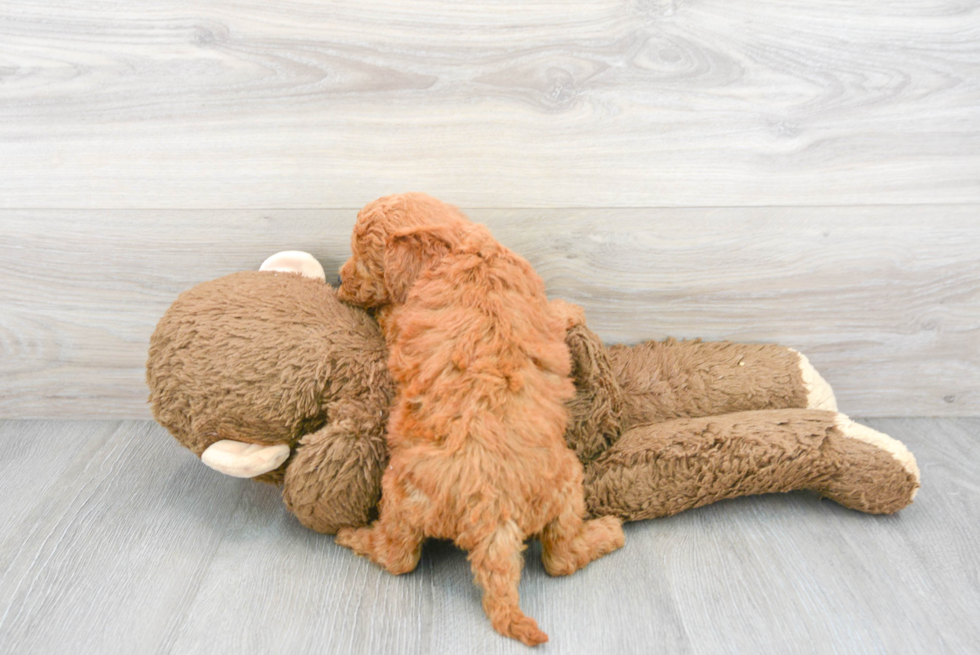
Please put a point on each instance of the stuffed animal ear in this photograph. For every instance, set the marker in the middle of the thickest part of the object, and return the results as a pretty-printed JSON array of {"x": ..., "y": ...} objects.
[
  {"x": 410, "y": 251},
  {"x": 295, "y": 261}
]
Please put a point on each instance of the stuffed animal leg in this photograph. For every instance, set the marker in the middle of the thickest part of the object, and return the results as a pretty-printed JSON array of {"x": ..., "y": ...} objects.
[
  {"x": 670, "y": 379},
  {"x": 621, "y": 386},
  {"x": 667, "y": 426},
  {"x": 661, "y": 469}
]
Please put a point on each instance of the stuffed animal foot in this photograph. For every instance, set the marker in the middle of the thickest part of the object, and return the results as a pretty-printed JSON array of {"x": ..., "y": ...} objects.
[
  {"x": 819, "y": 394},
  {"x": 880, "y": 475},
  {"x": 396, "y": 554},
  {"x": 665, "y": 468},
  {"x": 564, "y": 554}
]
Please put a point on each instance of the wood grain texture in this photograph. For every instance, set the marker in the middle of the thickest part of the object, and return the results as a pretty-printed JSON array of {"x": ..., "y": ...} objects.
[
  {"x": 112, "y": 546},
  {"x": 886, "y": 305},
  {"x": 134, "y": 546},
  {"x": 616, "y": 103}
]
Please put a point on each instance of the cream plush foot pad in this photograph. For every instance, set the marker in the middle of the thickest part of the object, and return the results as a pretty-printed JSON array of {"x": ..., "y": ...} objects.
[{"x": 819, "y": 395}]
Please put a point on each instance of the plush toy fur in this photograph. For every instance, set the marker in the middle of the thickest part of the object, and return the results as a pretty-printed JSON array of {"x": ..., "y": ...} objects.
[{"x": 276, "y": 360}]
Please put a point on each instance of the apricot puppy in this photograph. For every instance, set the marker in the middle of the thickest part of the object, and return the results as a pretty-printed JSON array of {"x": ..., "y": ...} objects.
[{"x": 476, "y": 433}]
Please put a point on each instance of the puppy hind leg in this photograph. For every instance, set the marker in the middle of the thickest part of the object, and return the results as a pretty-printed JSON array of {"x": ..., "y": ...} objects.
[
  {"x": 569, "y": 542},
  {"x": 394, "y": 541},
  {"x": 496, "y": 562}
]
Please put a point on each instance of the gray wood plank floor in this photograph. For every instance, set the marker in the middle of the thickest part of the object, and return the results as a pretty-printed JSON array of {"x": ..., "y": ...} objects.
[{"x": 115, "y": 540}]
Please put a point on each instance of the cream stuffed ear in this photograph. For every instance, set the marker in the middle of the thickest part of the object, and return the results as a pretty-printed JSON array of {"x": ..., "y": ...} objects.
[
  {"x": 410, "y": 251},
  {"x": 244, "y": 460},
  {"x": 295, "y": 261}
]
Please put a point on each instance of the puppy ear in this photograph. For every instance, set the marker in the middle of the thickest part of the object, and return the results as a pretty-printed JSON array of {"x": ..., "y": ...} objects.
[{"x": 410, "y": 251}]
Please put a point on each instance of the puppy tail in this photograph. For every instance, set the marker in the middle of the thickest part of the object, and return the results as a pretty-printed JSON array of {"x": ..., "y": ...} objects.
[{"x": 496, "y": 562}]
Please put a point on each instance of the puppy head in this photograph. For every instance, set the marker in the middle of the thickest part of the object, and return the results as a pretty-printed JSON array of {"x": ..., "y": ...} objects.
[{"x": 391, "y": 246}]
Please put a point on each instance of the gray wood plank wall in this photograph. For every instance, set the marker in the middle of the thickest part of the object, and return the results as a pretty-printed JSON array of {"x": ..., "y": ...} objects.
[
  {"x": 803, "y": 172},
  {"x": 532, "y": 104}
]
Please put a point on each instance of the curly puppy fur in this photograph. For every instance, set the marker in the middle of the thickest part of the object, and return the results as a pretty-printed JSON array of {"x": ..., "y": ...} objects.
[{"x": 476, "y": 433}]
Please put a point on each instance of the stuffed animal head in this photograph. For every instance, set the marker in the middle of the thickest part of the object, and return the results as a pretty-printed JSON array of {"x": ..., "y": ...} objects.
[{"x": 229, "y": 365}]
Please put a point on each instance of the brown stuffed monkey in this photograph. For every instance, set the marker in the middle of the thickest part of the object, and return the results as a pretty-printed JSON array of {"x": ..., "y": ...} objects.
[{"x": 266, "y": 374}]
